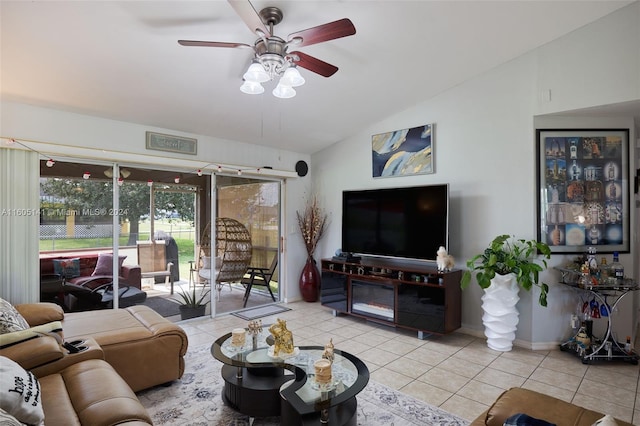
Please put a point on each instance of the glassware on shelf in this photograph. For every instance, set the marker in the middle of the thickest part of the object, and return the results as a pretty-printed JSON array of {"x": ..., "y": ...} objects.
[{"x": 618, "y": 270}]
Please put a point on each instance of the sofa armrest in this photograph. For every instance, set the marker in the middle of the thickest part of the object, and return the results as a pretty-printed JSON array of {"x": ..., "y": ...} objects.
[
  {"x": 32, "y": 353},
  {"x": 40, "y": 313},
  {"x": 90, "y": 350},
  {"x": 132, "y": 274},
  {"x": 539, "y": 406}
]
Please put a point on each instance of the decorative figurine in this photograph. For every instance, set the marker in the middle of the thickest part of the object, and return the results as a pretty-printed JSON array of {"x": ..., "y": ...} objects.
[
  {"x": 444, "y": 260},
  {"x": 328, "y": 351},
  {"x": 283, "y": 338},
  {"x": 254, "y": 328}
]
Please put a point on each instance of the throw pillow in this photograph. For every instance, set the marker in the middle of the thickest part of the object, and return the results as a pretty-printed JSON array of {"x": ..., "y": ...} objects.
[
  {"x": 7, "y": 419},
  {"x": 104, "y": 264},
  {"x": 521, "y": 419},
  {"x": 10, "y": 318},
  {"x": 206, "y": 262},
  {"x": 67, "y": 268},
  {"x": 606, "y": 421},
  {"x": 20, "y": 393}
]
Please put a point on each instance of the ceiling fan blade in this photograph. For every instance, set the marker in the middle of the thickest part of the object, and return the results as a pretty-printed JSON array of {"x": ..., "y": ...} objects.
[
  {"x": 248, "y": 14},
  {"x": 314, "y": 64},
  {"x": 212, "y": 44},
  {"x": 332, "y": 30}
]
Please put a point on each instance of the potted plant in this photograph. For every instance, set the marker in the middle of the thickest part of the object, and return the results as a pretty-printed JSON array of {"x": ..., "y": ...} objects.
[
  {"x": 501, "y": 269},
  {"x": 192, "y": 305}
]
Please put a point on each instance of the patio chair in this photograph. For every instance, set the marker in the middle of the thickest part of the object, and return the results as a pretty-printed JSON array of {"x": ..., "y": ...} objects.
[{"x": 260, "y": 277}]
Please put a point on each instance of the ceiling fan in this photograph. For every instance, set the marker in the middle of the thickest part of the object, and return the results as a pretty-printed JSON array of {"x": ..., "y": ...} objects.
[{"x": 272, "y": 57}]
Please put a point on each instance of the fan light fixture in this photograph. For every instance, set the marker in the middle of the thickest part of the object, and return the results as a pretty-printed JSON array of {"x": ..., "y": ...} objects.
[
  {"x": 269, "y": 67},
  {"x": 273, "y": 60}
]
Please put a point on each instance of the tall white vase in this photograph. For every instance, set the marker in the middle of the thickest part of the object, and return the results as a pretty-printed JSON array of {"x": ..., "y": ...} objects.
[{"x": 501, "y": 316}]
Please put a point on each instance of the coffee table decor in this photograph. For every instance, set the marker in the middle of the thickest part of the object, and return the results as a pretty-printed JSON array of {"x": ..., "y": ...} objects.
[
  {"x": 254, "y": 329},
  {"x": 283, "y": 340},
  {"x": 297, "y": 384}
]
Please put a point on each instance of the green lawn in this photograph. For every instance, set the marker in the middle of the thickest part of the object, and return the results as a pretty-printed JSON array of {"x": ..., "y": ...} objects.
[{"x": 182, "y": 232}]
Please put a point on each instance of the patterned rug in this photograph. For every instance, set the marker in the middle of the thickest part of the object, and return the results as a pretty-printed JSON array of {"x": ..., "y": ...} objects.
[{"x": 196, "y": 400}]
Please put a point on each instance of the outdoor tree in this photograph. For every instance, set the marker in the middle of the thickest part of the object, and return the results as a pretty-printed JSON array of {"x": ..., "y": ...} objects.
[{"x": 92, "y": 200}]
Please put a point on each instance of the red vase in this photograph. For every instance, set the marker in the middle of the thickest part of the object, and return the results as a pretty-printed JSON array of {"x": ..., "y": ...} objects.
[{"x": 310, "y": 281}]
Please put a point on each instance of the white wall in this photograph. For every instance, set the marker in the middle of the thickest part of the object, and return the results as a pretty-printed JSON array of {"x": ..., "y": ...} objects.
[
  {"x": 598, "y": 64},
  {"x": 485, "y": 149},
  {"x": 80, "y": 136}
]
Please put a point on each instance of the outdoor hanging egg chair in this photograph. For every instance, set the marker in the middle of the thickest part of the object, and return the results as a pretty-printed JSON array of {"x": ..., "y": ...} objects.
[{"x": 233, "y": 252}]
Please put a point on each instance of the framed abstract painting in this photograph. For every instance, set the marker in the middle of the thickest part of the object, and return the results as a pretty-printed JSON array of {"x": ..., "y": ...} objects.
[
  {"x": 584, "y": 189},
  {"x": 403, "y": 152}
]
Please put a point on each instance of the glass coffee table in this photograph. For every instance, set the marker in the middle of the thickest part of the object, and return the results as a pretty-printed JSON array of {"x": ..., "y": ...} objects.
[{"x": 258, "y": 384}]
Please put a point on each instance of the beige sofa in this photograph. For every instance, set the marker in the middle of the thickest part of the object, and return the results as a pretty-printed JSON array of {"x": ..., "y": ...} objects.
[
  {"x": 539, "y": 406},
  {"x": 143, "y": 347}
]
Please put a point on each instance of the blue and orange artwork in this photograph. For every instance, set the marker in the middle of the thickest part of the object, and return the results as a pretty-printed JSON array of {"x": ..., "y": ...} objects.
[{"x": 403, "y": 152}]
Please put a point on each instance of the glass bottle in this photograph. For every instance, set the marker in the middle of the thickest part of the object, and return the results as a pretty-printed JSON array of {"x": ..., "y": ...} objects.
[
  {"x": 605, "y": 271},
  {"x": 617, "y": 269},
  {"x": 591, "y": 258}
]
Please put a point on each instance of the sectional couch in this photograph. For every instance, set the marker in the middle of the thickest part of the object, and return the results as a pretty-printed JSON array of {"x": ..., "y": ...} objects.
[{"x": 120, "y": 352}]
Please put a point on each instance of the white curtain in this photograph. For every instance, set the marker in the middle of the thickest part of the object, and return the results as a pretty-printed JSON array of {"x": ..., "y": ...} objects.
[{"x": 19, "y": 225}]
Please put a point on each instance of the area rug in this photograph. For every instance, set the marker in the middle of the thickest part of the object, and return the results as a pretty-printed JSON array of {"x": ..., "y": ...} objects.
[
  {"x": 260, "y": 311},
  {"x": 195, "y": 400},
  {"x": 162, "y": 305}
]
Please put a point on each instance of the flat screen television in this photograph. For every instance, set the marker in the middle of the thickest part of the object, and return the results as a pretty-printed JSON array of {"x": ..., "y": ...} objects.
[{"x": 410, "y": 222}]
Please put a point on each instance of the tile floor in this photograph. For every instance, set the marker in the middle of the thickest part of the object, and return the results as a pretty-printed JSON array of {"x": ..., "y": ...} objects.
[{"x": 457, "y": 372}]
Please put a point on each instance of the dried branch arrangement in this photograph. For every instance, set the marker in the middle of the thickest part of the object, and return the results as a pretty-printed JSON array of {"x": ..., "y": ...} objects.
[{"x": 312, "y": 223}]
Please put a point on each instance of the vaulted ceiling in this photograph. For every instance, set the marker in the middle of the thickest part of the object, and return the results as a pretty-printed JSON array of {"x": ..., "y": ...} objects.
[{"x": 121, "y": 60}]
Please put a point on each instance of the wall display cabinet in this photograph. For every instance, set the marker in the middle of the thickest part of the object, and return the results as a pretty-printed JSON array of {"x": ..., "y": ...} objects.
[{"x": 401, "y": 294}]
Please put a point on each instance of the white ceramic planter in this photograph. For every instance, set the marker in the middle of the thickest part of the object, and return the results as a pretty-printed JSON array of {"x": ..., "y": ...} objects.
[{"x": 501, "y": 316}]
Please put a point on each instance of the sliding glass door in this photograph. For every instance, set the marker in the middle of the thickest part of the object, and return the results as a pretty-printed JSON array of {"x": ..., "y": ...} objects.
[
  {"x": 255, "y": 204},
  {"x": 81, "y": 220}
]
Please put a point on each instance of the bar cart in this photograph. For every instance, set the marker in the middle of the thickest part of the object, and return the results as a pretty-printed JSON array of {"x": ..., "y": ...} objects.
[{"x": 606, "y": 348}]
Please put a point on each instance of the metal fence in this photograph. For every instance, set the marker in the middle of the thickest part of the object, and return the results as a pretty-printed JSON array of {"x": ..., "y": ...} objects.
[{"x": 48, "y": 232}]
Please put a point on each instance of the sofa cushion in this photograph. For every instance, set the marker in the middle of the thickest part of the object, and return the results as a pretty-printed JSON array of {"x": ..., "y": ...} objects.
[
  {"x": 20, "y": 393},
  {"x": 67, "y": 268},
  {"x": 10, "y": 318},
  {"x": 104, "y": 266},
  {"x": 143, "y": 347},
  {"x": 90, "y": 393}
]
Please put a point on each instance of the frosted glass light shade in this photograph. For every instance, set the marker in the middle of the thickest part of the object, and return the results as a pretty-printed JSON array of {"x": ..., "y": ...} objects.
[
  {"x": 292, "y": 77},
  {"x": 251, "y": 88},
  {"x": 256, "y": 74},
  {"x": 284, "y": 92}
]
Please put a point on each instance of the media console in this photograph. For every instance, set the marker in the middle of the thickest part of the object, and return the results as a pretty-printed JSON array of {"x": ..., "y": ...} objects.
[{"x": 402, "y": 294}]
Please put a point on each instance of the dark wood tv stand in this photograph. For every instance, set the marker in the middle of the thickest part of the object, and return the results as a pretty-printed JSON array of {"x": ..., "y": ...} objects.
[{"x": 403, "y": 294}]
